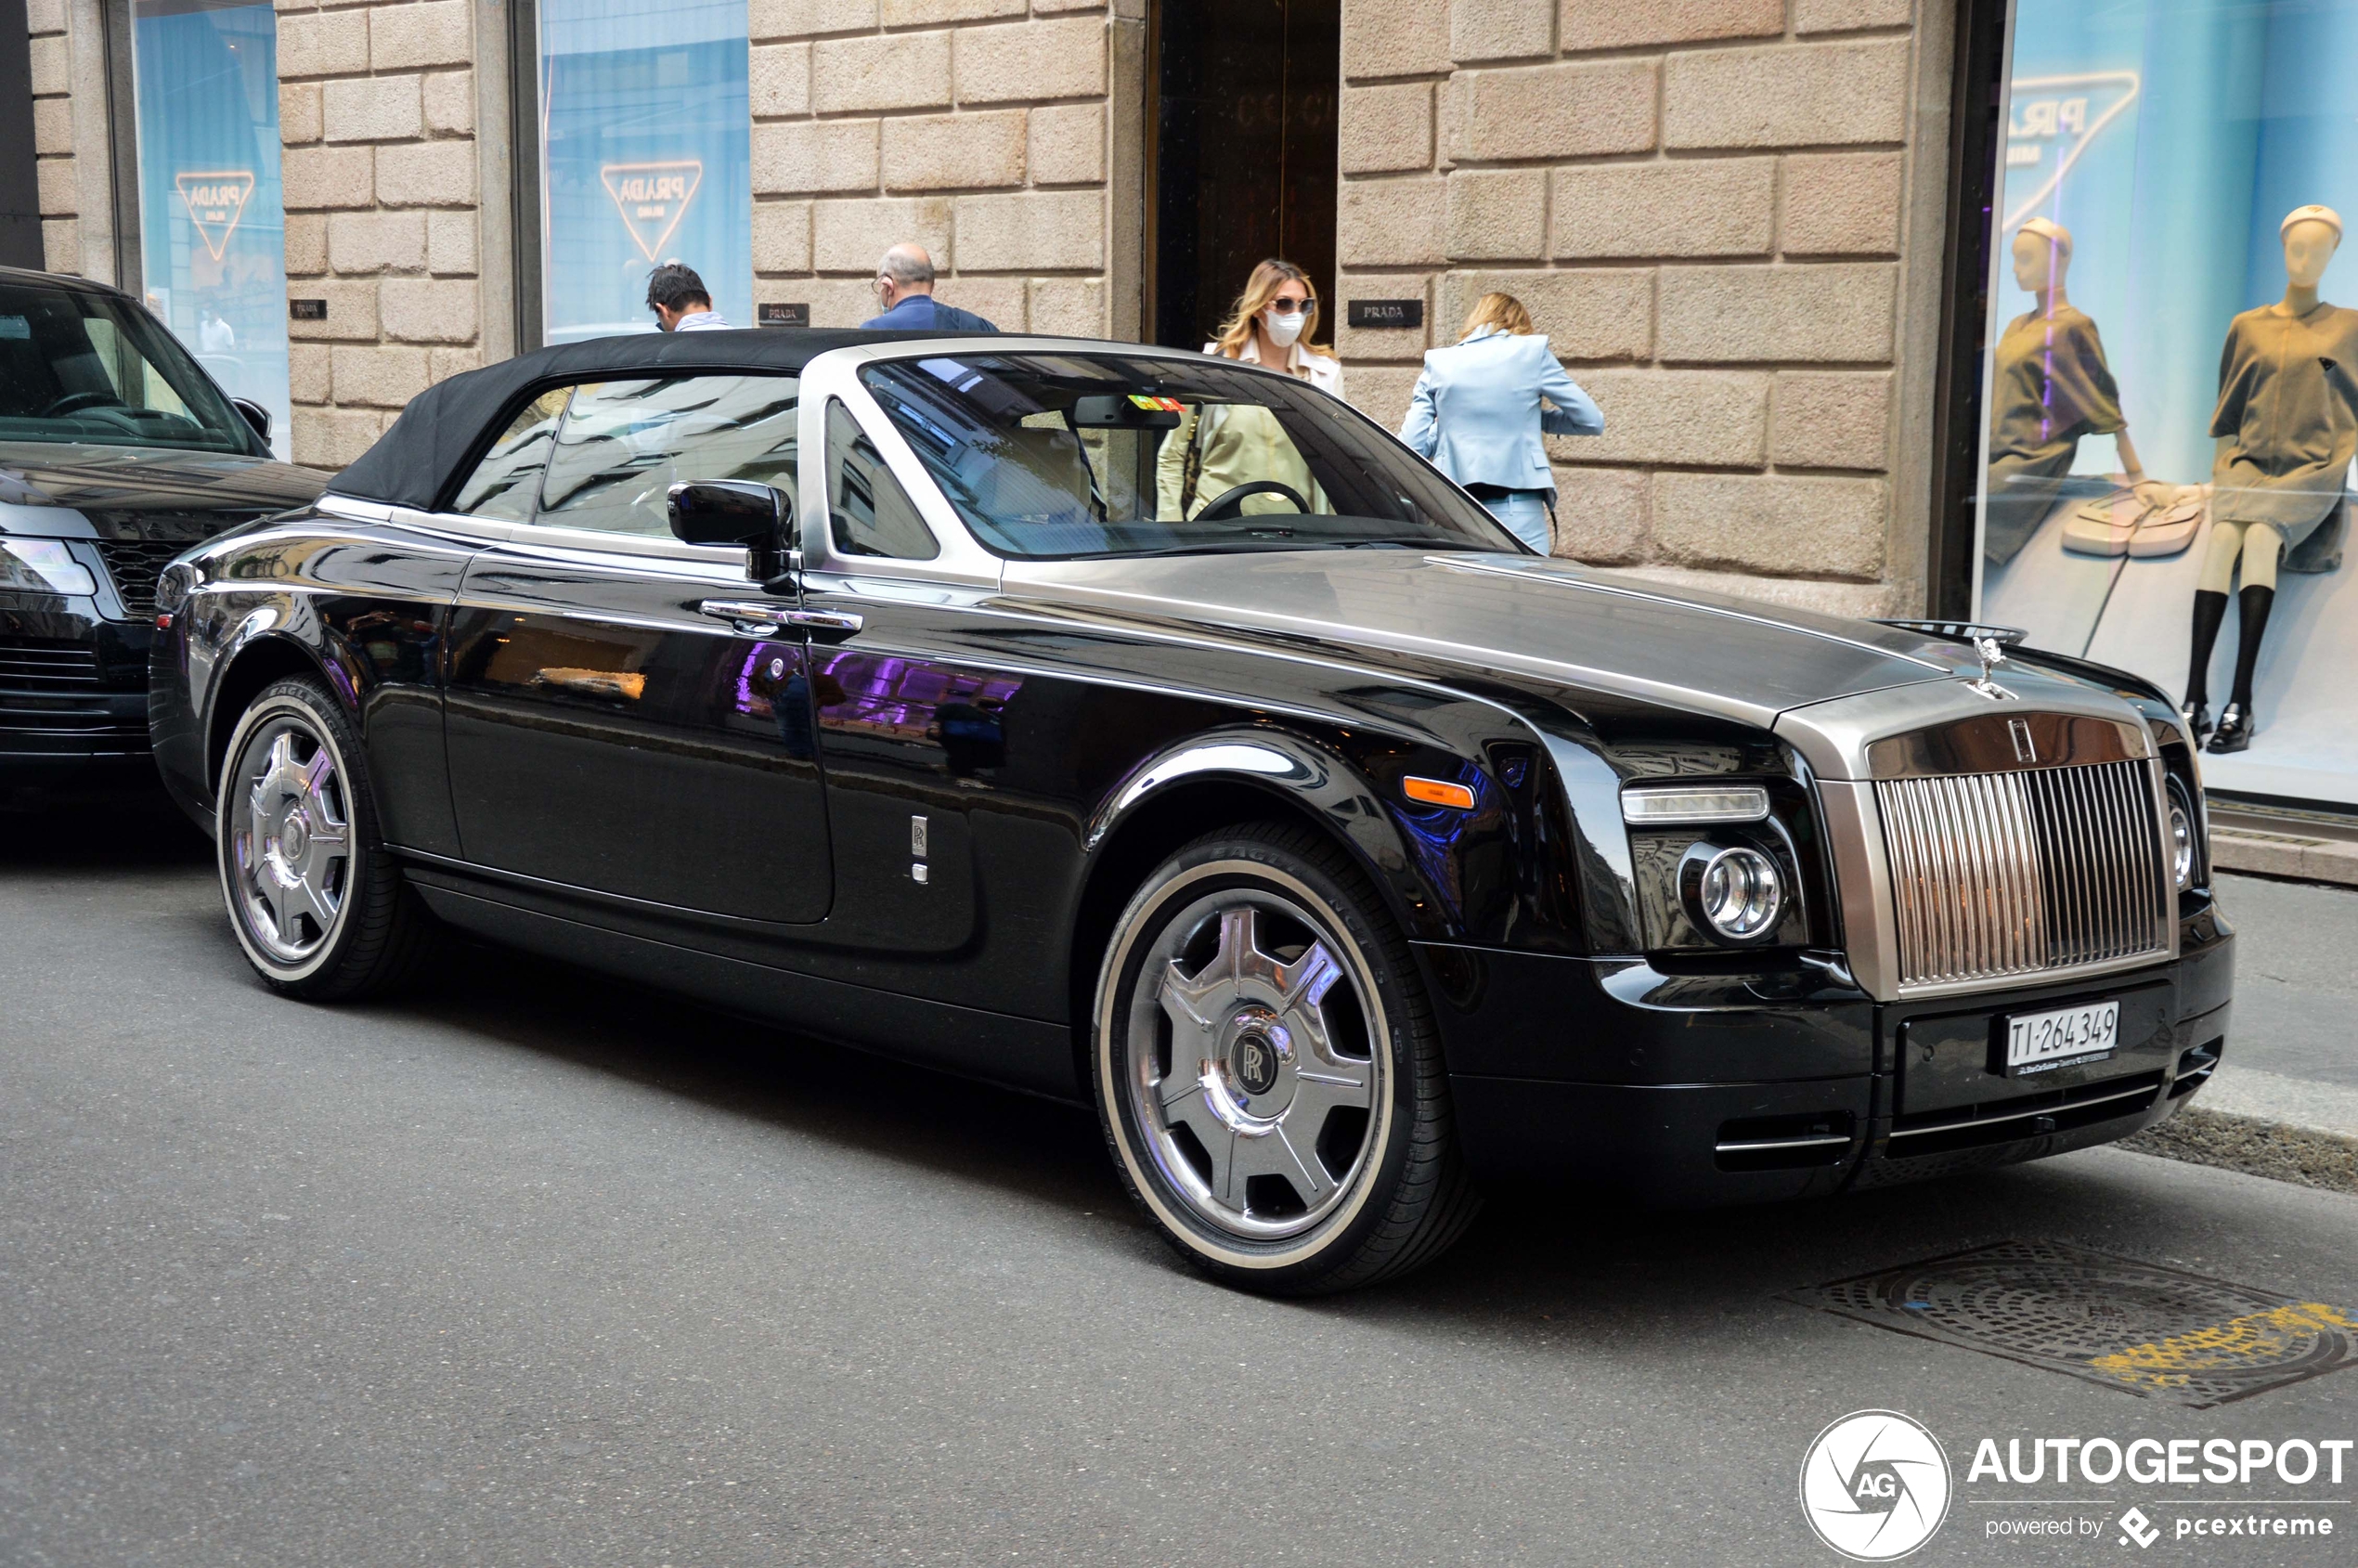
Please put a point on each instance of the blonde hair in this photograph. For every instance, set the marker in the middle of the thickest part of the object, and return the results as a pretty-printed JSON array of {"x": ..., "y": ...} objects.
[
  {"x": 1502, "y": 311},
  {"x": 1260, "y": 289}
]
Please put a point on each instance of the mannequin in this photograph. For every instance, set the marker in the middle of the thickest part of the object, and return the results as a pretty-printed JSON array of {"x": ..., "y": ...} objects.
[
  {"x": 2288, "y": 416},
  {"x": 2052, "y": 387}
]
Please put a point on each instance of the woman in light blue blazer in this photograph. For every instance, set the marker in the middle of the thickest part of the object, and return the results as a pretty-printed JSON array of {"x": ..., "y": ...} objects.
[{"x": 1477, "y": 415}]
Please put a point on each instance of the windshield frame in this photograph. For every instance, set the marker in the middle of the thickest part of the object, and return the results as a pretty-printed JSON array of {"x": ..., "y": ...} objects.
[
  {"x": 210, "y": 408},
  {"x": 863, "y": 363}
]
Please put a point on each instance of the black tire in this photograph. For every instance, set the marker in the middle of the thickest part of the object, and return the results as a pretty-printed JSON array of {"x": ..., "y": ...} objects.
[
  {"x": 1395, "y": 1204},
  {"x": 375, "y": 933}
]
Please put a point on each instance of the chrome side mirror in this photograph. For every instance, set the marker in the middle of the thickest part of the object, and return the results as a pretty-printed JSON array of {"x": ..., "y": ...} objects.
[{"x": 739, "y": 511}]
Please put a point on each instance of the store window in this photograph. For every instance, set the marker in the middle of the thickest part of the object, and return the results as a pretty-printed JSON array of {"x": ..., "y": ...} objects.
[
  {"x": 645, "y": 157},
  {"x": 2171, "y": 384},
  {"x": 211, "y": 227}
]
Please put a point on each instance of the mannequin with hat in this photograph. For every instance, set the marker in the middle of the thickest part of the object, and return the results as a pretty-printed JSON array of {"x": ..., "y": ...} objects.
[
  {"x": 2287, "y": 419},
  {"x": 2051, "y": 386}
]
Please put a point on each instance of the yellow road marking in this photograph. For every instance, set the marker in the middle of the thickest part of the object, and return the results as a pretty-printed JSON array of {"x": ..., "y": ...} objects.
[{"x": 2247, "y": 1344}]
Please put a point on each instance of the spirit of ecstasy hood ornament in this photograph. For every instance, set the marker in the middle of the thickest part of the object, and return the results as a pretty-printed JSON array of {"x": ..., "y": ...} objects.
[{"x": 1991, "y": 653}]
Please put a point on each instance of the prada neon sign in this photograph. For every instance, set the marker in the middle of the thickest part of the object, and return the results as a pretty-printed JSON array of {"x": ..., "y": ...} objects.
[
  {"x": 653, "y": 198},
  {"x": 216, "y": 200}
]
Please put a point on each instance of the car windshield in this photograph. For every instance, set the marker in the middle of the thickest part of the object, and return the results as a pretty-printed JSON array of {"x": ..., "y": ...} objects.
[
  {"x": 1060, "y": 456},
  {"x": 83, "y": 366}
]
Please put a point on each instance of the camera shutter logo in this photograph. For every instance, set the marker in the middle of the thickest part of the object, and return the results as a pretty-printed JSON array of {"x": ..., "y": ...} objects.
[{"x": 1875, "y": 1486}]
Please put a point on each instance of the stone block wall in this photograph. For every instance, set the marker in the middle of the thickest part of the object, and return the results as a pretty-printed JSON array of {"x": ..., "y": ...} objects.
[
  {"x": 1703, "y": 202},
  {"x": 977, "y": 128},
  {"x": 376, "y": 115},
  {"x": 51, "y": 25}
]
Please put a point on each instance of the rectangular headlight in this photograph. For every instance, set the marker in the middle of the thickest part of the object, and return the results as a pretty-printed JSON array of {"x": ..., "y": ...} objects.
[
  {"x": 43, "y": 566},
  {"x": 1671, "y": 805}
]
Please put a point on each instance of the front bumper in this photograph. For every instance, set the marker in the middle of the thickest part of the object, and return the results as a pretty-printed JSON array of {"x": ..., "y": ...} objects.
[
  {"x": 73, "y": 697},
  {"x": 1702, "y": 1090}
]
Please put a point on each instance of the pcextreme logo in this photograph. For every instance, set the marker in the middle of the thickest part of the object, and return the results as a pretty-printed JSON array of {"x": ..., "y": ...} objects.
[{"x": 1875, "y": 1486}]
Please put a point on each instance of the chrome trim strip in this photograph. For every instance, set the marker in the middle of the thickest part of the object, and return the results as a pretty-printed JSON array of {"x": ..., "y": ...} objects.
[
  {"x": 2066, "y": 1109},
  {"x": 1780, "y": 1143}
]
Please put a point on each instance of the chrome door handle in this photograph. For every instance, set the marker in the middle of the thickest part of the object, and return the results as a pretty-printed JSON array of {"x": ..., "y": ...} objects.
[{"x": 749, "y": 614}]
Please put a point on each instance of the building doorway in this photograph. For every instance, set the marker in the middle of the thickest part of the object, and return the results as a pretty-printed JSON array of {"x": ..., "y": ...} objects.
[{"x": 1243, "y": 154}]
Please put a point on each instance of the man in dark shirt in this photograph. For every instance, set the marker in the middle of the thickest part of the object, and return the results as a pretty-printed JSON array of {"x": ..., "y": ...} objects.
[{"x": 904, "y": 282}]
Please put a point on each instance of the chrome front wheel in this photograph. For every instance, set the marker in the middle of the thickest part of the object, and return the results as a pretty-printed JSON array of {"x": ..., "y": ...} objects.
[
  {"x": 292, "y": 848},
  {"x": 1268, "y": 1072},
  {"x": 1251, "y": 1067},
  {"x": 315, "y": 901}
]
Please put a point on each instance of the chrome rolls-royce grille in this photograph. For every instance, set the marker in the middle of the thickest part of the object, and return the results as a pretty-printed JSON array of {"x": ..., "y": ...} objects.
[{"x": 2017, "y": 873}]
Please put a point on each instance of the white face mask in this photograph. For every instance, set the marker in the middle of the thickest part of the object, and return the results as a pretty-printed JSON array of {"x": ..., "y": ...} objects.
[{"x": 1283, "y": 329}]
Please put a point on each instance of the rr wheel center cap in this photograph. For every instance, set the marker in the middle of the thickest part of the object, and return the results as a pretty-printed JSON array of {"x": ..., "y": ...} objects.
[{"x": 1259, "y": 1050}]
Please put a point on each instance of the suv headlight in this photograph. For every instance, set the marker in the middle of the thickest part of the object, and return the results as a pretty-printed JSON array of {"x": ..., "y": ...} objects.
[{"x": 43, "y": 566}]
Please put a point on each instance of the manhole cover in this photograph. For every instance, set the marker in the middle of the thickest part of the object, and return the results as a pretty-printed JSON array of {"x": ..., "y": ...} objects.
[{"x": 2150, "y": 1330}]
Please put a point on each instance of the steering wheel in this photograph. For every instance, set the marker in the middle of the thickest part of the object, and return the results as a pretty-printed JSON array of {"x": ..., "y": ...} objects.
[
  {"x": 75, "y": 402},
  {"x": 1230, "y": 502}
]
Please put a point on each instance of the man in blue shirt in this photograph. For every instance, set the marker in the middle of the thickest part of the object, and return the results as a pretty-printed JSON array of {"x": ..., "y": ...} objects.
[
  {"x": 904, "y": 282},
  {"x": 681, "y": 302}
]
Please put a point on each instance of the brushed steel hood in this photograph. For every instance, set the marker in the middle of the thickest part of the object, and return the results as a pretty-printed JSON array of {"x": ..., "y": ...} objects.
[{"x": 1510, "y": 616}]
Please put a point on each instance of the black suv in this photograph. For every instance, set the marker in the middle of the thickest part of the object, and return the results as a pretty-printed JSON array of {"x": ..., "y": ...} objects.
[{"x": 117, "y": 452}]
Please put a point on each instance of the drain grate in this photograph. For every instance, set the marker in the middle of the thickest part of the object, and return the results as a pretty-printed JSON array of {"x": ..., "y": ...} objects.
[{"x": 2141, "y": 1328}]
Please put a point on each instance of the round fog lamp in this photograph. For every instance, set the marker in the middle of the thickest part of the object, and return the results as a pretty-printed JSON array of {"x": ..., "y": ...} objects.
[
  {"x": 2181, "y": 846},
  {"x": 1740, "y": 894}
]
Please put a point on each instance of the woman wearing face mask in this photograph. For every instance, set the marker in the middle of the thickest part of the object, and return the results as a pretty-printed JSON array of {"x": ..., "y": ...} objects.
[
  {"x": 1219, "y": 448},
  {"x": 1476, "y": 415}
]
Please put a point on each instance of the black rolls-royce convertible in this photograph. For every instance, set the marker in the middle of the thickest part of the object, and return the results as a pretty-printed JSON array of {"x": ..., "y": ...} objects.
[
  {"x": 1351, "y": 860},
  {"x": 117, "y": 452}
]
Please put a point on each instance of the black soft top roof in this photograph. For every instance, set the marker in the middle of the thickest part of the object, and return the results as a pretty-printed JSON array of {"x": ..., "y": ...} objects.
[{"x": 424, "y": 455}]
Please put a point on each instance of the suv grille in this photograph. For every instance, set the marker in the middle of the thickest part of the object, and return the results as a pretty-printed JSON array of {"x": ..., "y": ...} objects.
[
  {"x": 47, "y": 668},
  {"x": 1997, "y": 875},
  {"x": 135, "y": 565}
]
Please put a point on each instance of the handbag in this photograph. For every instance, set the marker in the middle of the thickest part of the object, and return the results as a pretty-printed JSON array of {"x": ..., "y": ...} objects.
[{"x": 1191, "y": 466}]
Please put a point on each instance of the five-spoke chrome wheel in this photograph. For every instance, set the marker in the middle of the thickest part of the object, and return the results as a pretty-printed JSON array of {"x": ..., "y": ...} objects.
[
  {"x": 292, "y": 841},
  {"x": 1252, "y": 1071}
]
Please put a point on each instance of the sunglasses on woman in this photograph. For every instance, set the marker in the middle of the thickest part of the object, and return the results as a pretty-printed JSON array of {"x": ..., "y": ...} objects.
[{"x": 1285, "y": 305}]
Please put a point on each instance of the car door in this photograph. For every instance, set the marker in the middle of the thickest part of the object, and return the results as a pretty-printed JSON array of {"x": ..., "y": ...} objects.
[{"x": 606, "y": 730}]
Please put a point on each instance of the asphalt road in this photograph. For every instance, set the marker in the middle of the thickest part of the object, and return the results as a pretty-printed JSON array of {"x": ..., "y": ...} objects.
[{"x": 534, "y": 1268}]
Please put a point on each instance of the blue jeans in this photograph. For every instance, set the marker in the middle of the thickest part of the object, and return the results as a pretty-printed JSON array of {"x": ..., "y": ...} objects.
[{"x": 1525, "y": 514}]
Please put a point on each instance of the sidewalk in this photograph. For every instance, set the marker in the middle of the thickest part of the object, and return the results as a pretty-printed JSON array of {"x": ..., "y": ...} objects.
[{"x": 2285, "y": 1101}]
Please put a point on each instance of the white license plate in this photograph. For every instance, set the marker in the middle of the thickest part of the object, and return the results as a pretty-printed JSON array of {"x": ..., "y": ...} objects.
[{"x": 2067, "y": 1037}]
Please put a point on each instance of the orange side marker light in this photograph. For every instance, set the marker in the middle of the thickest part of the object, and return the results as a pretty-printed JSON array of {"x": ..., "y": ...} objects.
[{"x": 1437, "y": 792}]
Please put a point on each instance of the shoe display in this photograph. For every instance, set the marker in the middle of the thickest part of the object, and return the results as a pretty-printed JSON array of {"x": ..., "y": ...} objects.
[
  {"x": 2197, "y": 718},
  {"x": 2235, "y": 729}
]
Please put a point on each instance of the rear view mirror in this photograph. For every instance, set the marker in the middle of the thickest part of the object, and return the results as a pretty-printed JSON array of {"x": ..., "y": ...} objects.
[
  {"x": 738, "y": 511},
  {"x": 1134, "y": 411}
]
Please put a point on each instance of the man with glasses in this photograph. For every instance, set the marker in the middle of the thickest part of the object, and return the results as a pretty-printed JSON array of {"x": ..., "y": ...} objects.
[{"x": 904, "y": 286}]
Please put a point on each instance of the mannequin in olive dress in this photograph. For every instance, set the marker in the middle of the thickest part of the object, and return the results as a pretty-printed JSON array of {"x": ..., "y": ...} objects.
[
  {"x": 2288, "y": 418},
  {"x": 2052, "y": 386}
]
